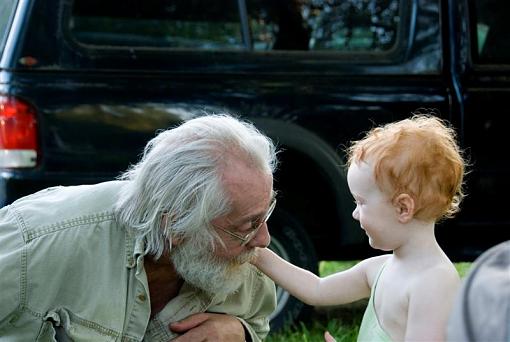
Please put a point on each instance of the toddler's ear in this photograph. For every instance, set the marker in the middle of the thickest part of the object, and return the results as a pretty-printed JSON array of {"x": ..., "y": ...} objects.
[{"x": 404, "y": 205}]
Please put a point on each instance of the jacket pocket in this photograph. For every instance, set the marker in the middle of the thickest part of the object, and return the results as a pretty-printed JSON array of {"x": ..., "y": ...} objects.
[
  {"x": 47, "y": 333},
  {"x": 61, "y": 325}
]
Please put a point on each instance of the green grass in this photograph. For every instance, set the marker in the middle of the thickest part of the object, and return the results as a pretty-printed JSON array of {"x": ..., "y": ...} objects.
[
  {"x": 342, "y": 322},
  {"x": 342, "y": 331},
  {"x": 462, "y": 268},
  {"x": 329, "y": 267}
]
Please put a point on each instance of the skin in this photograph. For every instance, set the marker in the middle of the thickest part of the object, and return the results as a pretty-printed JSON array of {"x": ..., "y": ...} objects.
[
  {"x": 250, "y": 194},
  {"x": 415, "y": 292},
  {"x": 250, "y": 191},
  {"x": 328, "y": 337},
  {"x": 209, "y": 327}
]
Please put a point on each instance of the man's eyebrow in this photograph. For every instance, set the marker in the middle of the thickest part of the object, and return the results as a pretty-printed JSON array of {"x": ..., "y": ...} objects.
[
  {"x": 250, "y": 218},
  {"x": 256, "y": 216}
]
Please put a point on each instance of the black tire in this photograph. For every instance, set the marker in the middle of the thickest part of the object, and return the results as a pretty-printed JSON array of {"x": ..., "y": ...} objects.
[{"x": 290, "y": 241}]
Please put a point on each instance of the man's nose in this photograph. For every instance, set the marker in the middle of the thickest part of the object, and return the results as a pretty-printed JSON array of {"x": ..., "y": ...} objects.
[{"x": 262, "y": 238}]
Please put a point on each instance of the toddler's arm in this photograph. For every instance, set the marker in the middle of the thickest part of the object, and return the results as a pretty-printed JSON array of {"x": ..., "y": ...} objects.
[{"x": 340, "y": 288}]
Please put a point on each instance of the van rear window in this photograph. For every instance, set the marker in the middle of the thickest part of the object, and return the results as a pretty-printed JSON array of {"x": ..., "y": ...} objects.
[{"x": 253, "y": 25}]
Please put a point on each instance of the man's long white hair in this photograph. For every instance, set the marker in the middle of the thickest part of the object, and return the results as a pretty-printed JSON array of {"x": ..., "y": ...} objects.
[{"x": 179, "y": 173}]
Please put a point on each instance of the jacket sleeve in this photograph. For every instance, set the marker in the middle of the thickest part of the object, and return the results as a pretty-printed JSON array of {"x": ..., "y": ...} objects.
[{"x": 11, "y": 261}]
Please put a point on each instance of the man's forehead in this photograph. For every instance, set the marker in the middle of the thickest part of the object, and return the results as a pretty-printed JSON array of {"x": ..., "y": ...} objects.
[
  {"x": 248, "y": 187},
  {"x": 241, "y": 172}
]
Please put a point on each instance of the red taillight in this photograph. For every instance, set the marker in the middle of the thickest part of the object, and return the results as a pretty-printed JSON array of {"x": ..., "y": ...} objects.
[{"x": 18, "y": 133}]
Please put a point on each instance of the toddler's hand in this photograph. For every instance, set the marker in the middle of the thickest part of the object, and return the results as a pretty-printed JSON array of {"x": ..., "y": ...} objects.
[
  {"x": 261, "y": 255},
  {"x": 255, "y": 256}
]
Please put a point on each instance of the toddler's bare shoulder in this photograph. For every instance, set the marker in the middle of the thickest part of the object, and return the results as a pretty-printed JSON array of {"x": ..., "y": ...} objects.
[
  {"x": 372, "y": 266},
  {"x": 438, "y": 275}
]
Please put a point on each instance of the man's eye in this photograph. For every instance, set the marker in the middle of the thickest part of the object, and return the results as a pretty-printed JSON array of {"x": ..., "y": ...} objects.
[
  {"x": 255, "y": 224},
  {"x": 233, "y": 238},
  {"x": 245, "y": 228}
]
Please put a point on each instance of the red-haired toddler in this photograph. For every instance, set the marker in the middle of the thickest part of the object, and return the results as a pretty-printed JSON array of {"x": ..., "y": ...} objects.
[{"x": 404, "y": 177}]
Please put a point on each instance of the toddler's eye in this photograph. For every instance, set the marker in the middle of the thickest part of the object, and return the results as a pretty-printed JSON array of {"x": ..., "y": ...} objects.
[{"x": 359, "y": 202}]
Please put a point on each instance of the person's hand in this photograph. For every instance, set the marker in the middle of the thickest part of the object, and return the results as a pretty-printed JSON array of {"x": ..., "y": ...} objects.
[
  {"x": 328, "y": 337},
  {"x": 209, "y": 327}
]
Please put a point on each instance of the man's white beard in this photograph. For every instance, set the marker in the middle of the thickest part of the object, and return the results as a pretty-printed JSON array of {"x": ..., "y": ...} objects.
[{"x": 198, "y": 266}]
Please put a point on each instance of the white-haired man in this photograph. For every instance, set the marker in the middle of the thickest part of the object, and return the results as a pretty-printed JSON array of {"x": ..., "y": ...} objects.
[{"x": 159, "y": 254}]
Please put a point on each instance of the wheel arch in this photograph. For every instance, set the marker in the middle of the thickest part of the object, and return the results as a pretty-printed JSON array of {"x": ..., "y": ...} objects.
[{"x": 319, "y": 165}]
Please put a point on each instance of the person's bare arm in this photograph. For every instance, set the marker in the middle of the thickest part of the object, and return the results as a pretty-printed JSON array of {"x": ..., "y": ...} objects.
[
  {"x": 209, "y": 327},
  {"x": 430, "y": 302},
  {"x": 340, "y": 288}
]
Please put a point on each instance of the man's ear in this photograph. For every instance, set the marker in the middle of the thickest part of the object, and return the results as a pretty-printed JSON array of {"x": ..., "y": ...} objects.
[
  {"x": 404, "y": 205},
  {"x": 175, "y": 241}
]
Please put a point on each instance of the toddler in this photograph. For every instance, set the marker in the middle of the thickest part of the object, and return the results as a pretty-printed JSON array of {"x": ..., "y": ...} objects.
[{"x": 404, "y": 177}]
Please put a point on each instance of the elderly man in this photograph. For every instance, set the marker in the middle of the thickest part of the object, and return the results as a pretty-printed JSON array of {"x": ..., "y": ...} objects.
[{"x": 160, "y": 254}]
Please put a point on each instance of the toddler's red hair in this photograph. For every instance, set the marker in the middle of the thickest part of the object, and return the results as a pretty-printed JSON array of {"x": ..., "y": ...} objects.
[{"x": 418, "y": 156}]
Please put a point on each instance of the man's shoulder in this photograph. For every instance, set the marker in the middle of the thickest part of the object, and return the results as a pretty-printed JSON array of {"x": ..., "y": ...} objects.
[{"x": 60, "y": 208}]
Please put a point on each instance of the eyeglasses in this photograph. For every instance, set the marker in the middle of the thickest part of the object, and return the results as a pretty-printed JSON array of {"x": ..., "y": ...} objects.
[{"x": 255, "y": 226}]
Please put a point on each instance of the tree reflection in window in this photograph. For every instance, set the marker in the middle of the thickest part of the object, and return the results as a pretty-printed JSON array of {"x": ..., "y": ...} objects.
[
  {"x": 285, "y": 25},
  {"x": 342, "y": 25}
]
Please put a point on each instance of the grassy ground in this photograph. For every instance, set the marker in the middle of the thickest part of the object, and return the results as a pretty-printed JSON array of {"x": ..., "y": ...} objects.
[{"x": 342, "y": 322}]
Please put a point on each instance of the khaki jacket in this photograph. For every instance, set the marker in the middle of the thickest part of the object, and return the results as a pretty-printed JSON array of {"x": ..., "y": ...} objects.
[{"x": 70, "y": 271}]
